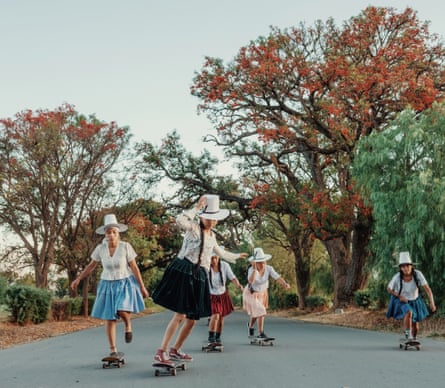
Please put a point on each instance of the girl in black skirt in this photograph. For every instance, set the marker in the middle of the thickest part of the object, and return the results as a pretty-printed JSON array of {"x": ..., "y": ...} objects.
[{"x": 184, "y": 288}]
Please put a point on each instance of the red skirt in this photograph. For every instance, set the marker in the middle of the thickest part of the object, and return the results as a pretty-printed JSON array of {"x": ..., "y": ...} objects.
[{"x": 221, "y": 304}]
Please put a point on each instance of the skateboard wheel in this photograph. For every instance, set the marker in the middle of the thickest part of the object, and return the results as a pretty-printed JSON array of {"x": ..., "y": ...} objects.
[
  {"x": 183, "y": 367},
  {"x": 156, "y": 372},
  {"x": 173, "y": 371}
]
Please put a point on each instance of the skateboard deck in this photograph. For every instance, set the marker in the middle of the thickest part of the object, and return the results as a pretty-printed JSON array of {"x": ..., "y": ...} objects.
[
  {"x": 113, "y": 362},
  {"x": 213, "y": 347},
  {"x": 409, "y": 344},
  {"x": 262, "y": 341},
  {"x": 162, "y": 369}
]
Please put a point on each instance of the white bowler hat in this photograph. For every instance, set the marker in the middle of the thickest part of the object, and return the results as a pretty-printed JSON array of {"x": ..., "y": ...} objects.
[
  {"x": 212, "y": 211},
  {"x": 259, "y": 255},
  {"x": 405, "y": 258},
  {"x": 109, "y": 222}
]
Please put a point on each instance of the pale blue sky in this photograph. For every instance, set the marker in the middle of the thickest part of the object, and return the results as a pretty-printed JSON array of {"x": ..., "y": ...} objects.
[{"x": 133, "y": 61}]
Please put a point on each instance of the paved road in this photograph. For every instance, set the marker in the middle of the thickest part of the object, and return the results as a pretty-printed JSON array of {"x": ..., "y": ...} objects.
[{"x": 304, "y": 355}]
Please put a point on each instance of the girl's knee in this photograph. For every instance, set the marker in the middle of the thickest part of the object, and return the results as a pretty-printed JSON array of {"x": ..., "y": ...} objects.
[{"x": 178, "y": 317}]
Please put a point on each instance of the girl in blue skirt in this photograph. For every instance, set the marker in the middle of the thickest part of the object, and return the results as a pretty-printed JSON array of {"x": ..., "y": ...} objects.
[
  {"x": 184, "y": 287},
  {"x": 121, "y": 289},
  {"x": 406, "y": 304}
]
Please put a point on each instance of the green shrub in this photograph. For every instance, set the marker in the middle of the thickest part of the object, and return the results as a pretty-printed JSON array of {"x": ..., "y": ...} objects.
[
  {"x": 76, "y": 305},
  {"x": 362, "y": 298},
  {"x": 290, "y": 299},
  {"x": 28, "y": 304},
  {"x": 313, "y": 301},
  {"x": 378, "y": 292}
]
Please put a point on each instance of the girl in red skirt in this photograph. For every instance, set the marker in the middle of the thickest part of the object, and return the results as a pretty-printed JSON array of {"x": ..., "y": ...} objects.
[{"x": 221, "y": 304}]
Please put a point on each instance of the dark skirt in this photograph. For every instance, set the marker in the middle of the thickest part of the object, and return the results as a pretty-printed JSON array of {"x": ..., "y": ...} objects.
[
  {"x": 184, "y": 289},
  {"x": 221, "y": 304},
  {"x": 398, "y": 309}
]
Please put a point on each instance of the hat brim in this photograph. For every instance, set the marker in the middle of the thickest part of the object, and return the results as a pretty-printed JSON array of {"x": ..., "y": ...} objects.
[
  {"x": 260, "y": 259},
  {"x": 398, "y": 265},
  {"x": 120, "y": 227},
  {"x": 219, "y": 215}
]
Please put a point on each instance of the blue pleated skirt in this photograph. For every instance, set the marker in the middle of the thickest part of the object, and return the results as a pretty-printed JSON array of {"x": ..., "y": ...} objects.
[
  {"x": 184, "y": 289},
  {"x": 398, "y": 309},
  {"x": 117, "y": 295}
]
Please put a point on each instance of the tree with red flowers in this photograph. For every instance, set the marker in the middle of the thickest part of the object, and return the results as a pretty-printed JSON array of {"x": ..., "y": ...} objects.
[
  {"x": 51, "y": 164},
  {"x": 291, "y": 107}
]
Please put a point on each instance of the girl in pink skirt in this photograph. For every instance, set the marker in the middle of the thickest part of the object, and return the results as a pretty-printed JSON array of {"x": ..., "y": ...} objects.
[{"x": 255, "y": 294}]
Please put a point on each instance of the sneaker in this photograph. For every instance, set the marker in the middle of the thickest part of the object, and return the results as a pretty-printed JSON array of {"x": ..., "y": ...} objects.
[
  {"x": 177, "y": 354},
  {"x": 250, "y": 330},
  {"x": 262, "y": 335},
  {"x": 162, "y": 357},
  {"x": 408, "y": 335}
]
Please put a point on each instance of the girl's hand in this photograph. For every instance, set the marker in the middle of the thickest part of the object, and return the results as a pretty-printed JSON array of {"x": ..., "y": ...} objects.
[
  {"x": 243, "y": 255},
  {"x": 144, "y": 292},
  {"x": 75, "y": 283},
  {"x": 433, "y": 307},
  {"x": 201, "y": 202}
]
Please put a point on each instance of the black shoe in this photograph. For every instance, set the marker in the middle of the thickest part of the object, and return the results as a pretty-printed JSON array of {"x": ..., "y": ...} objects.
[
  {"x": 250, "y": 330},
  {"x": 211, "y": 340}
]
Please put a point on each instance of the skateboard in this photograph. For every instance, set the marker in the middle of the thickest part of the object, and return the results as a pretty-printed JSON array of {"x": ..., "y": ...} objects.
[
  {"x": 113, "y": 361},
  {"x": 213, "y": 347},
  {"x": 409, "y": 344},
  {"x": 262, "y": 341},
  {"x": 167, "y": 369}
]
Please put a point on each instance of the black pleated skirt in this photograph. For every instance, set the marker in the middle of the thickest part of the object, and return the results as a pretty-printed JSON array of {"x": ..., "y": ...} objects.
[{"x": 184, "y": 289}]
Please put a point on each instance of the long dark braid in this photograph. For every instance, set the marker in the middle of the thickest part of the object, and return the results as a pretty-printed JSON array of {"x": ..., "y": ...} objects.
[{"x": 201, "y": 247}]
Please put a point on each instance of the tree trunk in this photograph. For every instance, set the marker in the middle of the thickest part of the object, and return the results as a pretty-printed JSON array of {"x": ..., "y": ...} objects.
[
  {"x": 301, "y": 251},
  {"x": 41, "y": 269},
  {"x": 72, "y": 274},
  {"x": 348, "y": 257}
]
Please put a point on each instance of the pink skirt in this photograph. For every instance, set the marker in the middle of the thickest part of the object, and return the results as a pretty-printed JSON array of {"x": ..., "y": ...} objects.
[
  {"x": 221, "y": 304},
  {"x": 255, "y": 303}
]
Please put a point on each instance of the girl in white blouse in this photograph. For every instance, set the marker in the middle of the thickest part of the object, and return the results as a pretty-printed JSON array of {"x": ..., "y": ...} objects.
[
  {"x": 255, "y": 294},
  {"x": 184, "y": 287},
  {"x": 121, "y": 289}
]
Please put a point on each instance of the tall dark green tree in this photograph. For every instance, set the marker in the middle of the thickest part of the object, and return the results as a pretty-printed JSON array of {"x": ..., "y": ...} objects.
[{"x": 401, "y": 172}]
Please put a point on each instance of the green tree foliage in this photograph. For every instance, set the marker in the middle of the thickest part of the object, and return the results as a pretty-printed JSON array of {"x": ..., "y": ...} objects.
[
  {"x": 401, "y": 172},
  {"x": 51, "y": 162},
  {"x": 292, "y": 106}
]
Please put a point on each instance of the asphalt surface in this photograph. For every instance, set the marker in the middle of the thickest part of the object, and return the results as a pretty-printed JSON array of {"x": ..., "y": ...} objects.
[{"x": 303, "y": 355}]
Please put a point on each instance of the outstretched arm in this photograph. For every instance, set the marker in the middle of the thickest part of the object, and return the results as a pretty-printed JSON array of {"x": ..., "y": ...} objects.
[
  {"x": 283, "y": 282},
  {"x": 430, "y": 297},
  {"x": 137, "y": 275},
  {"x": 88, "y": 269}
]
